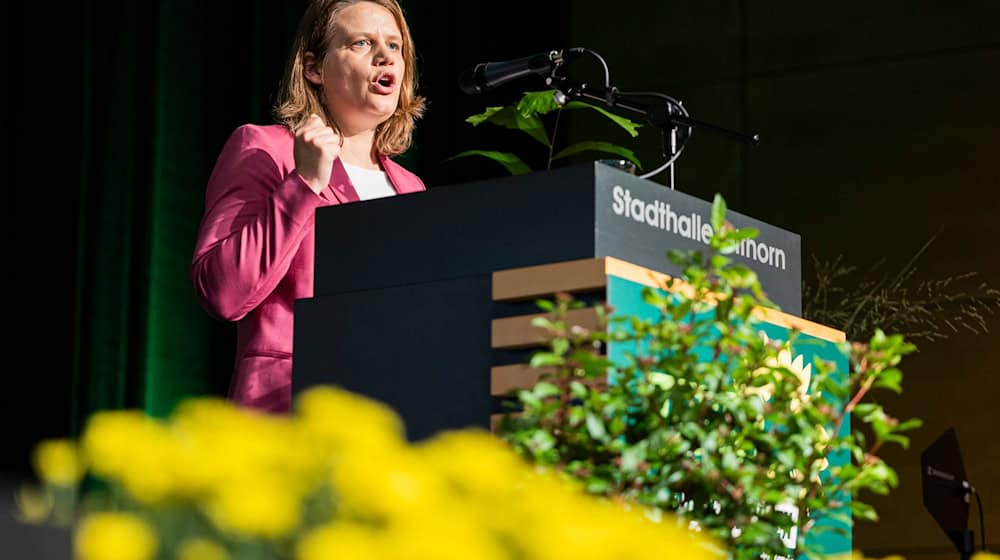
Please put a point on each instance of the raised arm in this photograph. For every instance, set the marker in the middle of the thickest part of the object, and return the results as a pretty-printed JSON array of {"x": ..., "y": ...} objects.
[{"x": 255, "y": 219}]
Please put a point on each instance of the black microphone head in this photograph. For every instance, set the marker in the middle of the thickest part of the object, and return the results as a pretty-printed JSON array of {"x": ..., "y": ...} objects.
[
  {"x": 489, "y": 75},
  {"x": 467, "y": 80}
]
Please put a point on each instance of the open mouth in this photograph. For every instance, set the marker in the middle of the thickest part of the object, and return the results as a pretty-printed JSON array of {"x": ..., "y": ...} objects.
[{"x": 385, "y": 81}]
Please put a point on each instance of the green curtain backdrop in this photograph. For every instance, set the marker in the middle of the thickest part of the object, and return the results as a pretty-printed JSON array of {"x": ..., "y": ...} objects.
[
  {"x": 136, "y": 101},
  {"x": 164, "y": 84}
]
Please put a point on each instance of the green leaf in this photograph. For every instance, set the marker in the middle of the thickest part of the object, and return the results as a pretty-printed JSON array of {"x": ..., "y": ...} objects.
[
  {"x": 863, "y": 510},
  {"x": 509, "y": 117},
  {"x": 597, "y": 486},
  {"x": 741, "y": 276},
  {"x": 476, "y": 120},
  {"x": 661, "y": 380},
  {"x": 597, "y": 146},
  {"x": 719, "y": 261},
  {"x": 544, "y": 359},
  {"x": 537, "y": 102},
  {"x": 890, "y": 379},
  {"x": 900, "y": 439},
  {"x": 528, "y": 399},
  {"x": 632, "y": 456},
  {"x": 595, "y": 427},
  {"x": 513, "y": 163},
  {"x": 743, "y": 233},
  {"x": 543, "y": 323},
  {"x": 679, "y": 258},
  {"x": 541, "y": 441},
  {"x": 631, "y": 127},
  {"x": 545, "y": 389},
  {"x": 545, "y": 305},
  {"x": 865, "y": 410},
  {"x": 718, "y": 212}
]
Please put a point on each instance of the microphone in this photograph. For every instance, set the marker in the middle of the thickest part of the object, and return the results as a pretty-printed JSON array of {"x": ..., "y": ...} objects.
[{"x": 489, "y": 75}]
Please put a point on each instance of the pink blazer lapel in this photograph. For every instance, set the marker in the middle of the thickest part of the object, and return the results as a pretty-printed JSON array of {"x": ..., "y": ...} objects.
[
  {"x": 342, "y": 190},
  {"x": 399, "y": 180},
  {"x": 340, "y": 184}
]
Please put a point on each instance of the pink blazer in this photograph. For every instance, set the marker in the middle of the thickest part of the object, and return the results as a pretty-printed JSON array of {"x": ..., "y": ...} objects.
[{"x": 254, "y": 253}]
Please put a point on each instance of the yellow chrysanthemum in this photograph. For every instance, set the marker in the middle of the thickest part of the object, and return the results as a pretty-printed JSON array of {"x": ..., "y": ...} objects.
[
  {"x": 58, "y": 462},
  {"x": 559, "y": 521},
  {"x": 858, "y": 555},
  {"x": 216, "y": 442},
  {"x": 460, "y": 495},
  {"x": 443, "y": 535},
  {"x": 128, "y": 446},
  {"x": 342, "y": 540},
  {"x": 265, "y": 506},
  {"x": 114, "y": 536},
  {"x": 386, "y": 483},
  {"x": 201, "y": 549},
  {"x": 474, "y": 462},
  {"x": 339, "y": 420}
]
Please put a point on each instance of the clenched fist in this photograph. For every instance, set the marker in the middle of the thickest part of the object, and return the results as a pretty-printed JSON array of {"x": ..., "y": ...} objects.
[{"x": 316, "y": 146}]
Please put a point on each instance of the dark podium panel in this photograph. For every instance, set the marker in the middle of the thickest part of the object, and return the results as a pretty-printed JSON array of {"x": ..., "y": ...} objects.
[
  {"x": 422, "y": 348},
  {"x": 403, "y": 285},
  {"x": 573, "y": 213}
]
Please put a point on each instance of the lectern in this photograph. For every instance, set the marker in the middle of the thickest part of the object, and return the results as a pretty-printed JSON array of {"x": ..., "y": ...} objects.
[
  {"x": 425, "y": 301},
  {"x": 409, "y": 306}
]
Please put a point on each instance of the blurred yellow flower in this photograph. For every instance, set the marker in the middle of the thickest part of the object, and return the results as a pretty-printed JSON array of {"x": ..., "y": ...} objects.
[
  {"x": 216, "y": 442},
  {"x": 443, "y": 535},
  {"x": 387, "y": 483},
  {"x": 201, "y": 549},
  {"x": 339, "y": 420},
  {"x": 58, "y": 462},
  {"x": 114, "y": 536},
  {"x": 859, "y": 555},
  {"x": 460, "y": 495},
  {"x": 559, "y": 521},
  {"x": 263, "y": 506},
  {"x": 474, "y": 461},
  {"x": 128, "y": 446},
  {"x": 342, "y": 540}
]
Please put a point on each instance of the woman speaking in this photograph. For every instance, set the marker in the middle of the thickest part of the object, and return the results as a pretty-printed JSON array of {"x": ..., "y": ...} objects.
[{"x": 347, "y": 104}]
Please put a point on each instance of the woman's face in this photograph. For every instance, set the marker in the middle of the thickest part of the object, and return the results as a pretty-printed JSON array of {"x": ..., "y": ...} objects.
[{"x": 363, "y": 68}]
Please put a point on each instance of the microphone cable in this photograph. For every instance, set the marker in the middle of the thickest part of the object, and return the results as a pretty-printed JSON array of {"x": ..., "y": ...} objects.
[
  {"x": 604, "y": 64},
  {"x": 671, "y": 102}
]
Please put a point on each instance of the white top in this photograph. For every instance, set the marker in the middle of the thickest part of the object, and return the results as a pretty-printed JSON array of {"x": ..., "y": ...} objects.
[{"x": 369, "y": 183}]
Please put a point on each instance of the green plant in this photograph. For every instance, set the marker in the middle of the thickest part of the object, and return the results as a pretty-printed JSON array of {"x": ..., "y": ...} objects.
[
  {"x": 526, "y": 116},
  {"x": 707, "y": 418}
]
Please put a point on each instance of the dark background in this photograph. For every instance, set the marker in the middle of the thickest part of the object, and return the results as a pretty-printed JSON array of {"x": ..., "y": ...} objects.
[{"x": 879, "y": 124}]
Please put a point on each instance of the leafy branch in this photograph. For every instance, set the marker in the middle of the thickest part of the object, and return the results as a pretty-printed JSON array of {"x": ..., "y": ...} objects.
[
  {"x": 527, "y": 116},
  {"x": 707, "y": 418}
]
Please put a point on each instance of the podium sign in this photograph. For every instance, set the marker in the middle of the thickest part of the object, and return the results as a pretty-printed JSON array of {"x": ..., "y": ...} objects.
[{"x": 638, "y": 220}]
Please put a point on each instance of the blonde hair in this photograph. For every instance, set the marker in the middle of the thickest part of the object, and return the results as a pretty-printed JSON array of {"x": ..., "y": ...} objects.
[{"x": 298, "y": 97}]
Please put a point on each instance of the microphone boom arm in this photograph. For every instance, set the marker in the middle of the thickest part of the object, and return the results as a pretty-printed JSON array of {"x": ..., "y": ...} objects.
[{"x": 660, "y": 115}]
